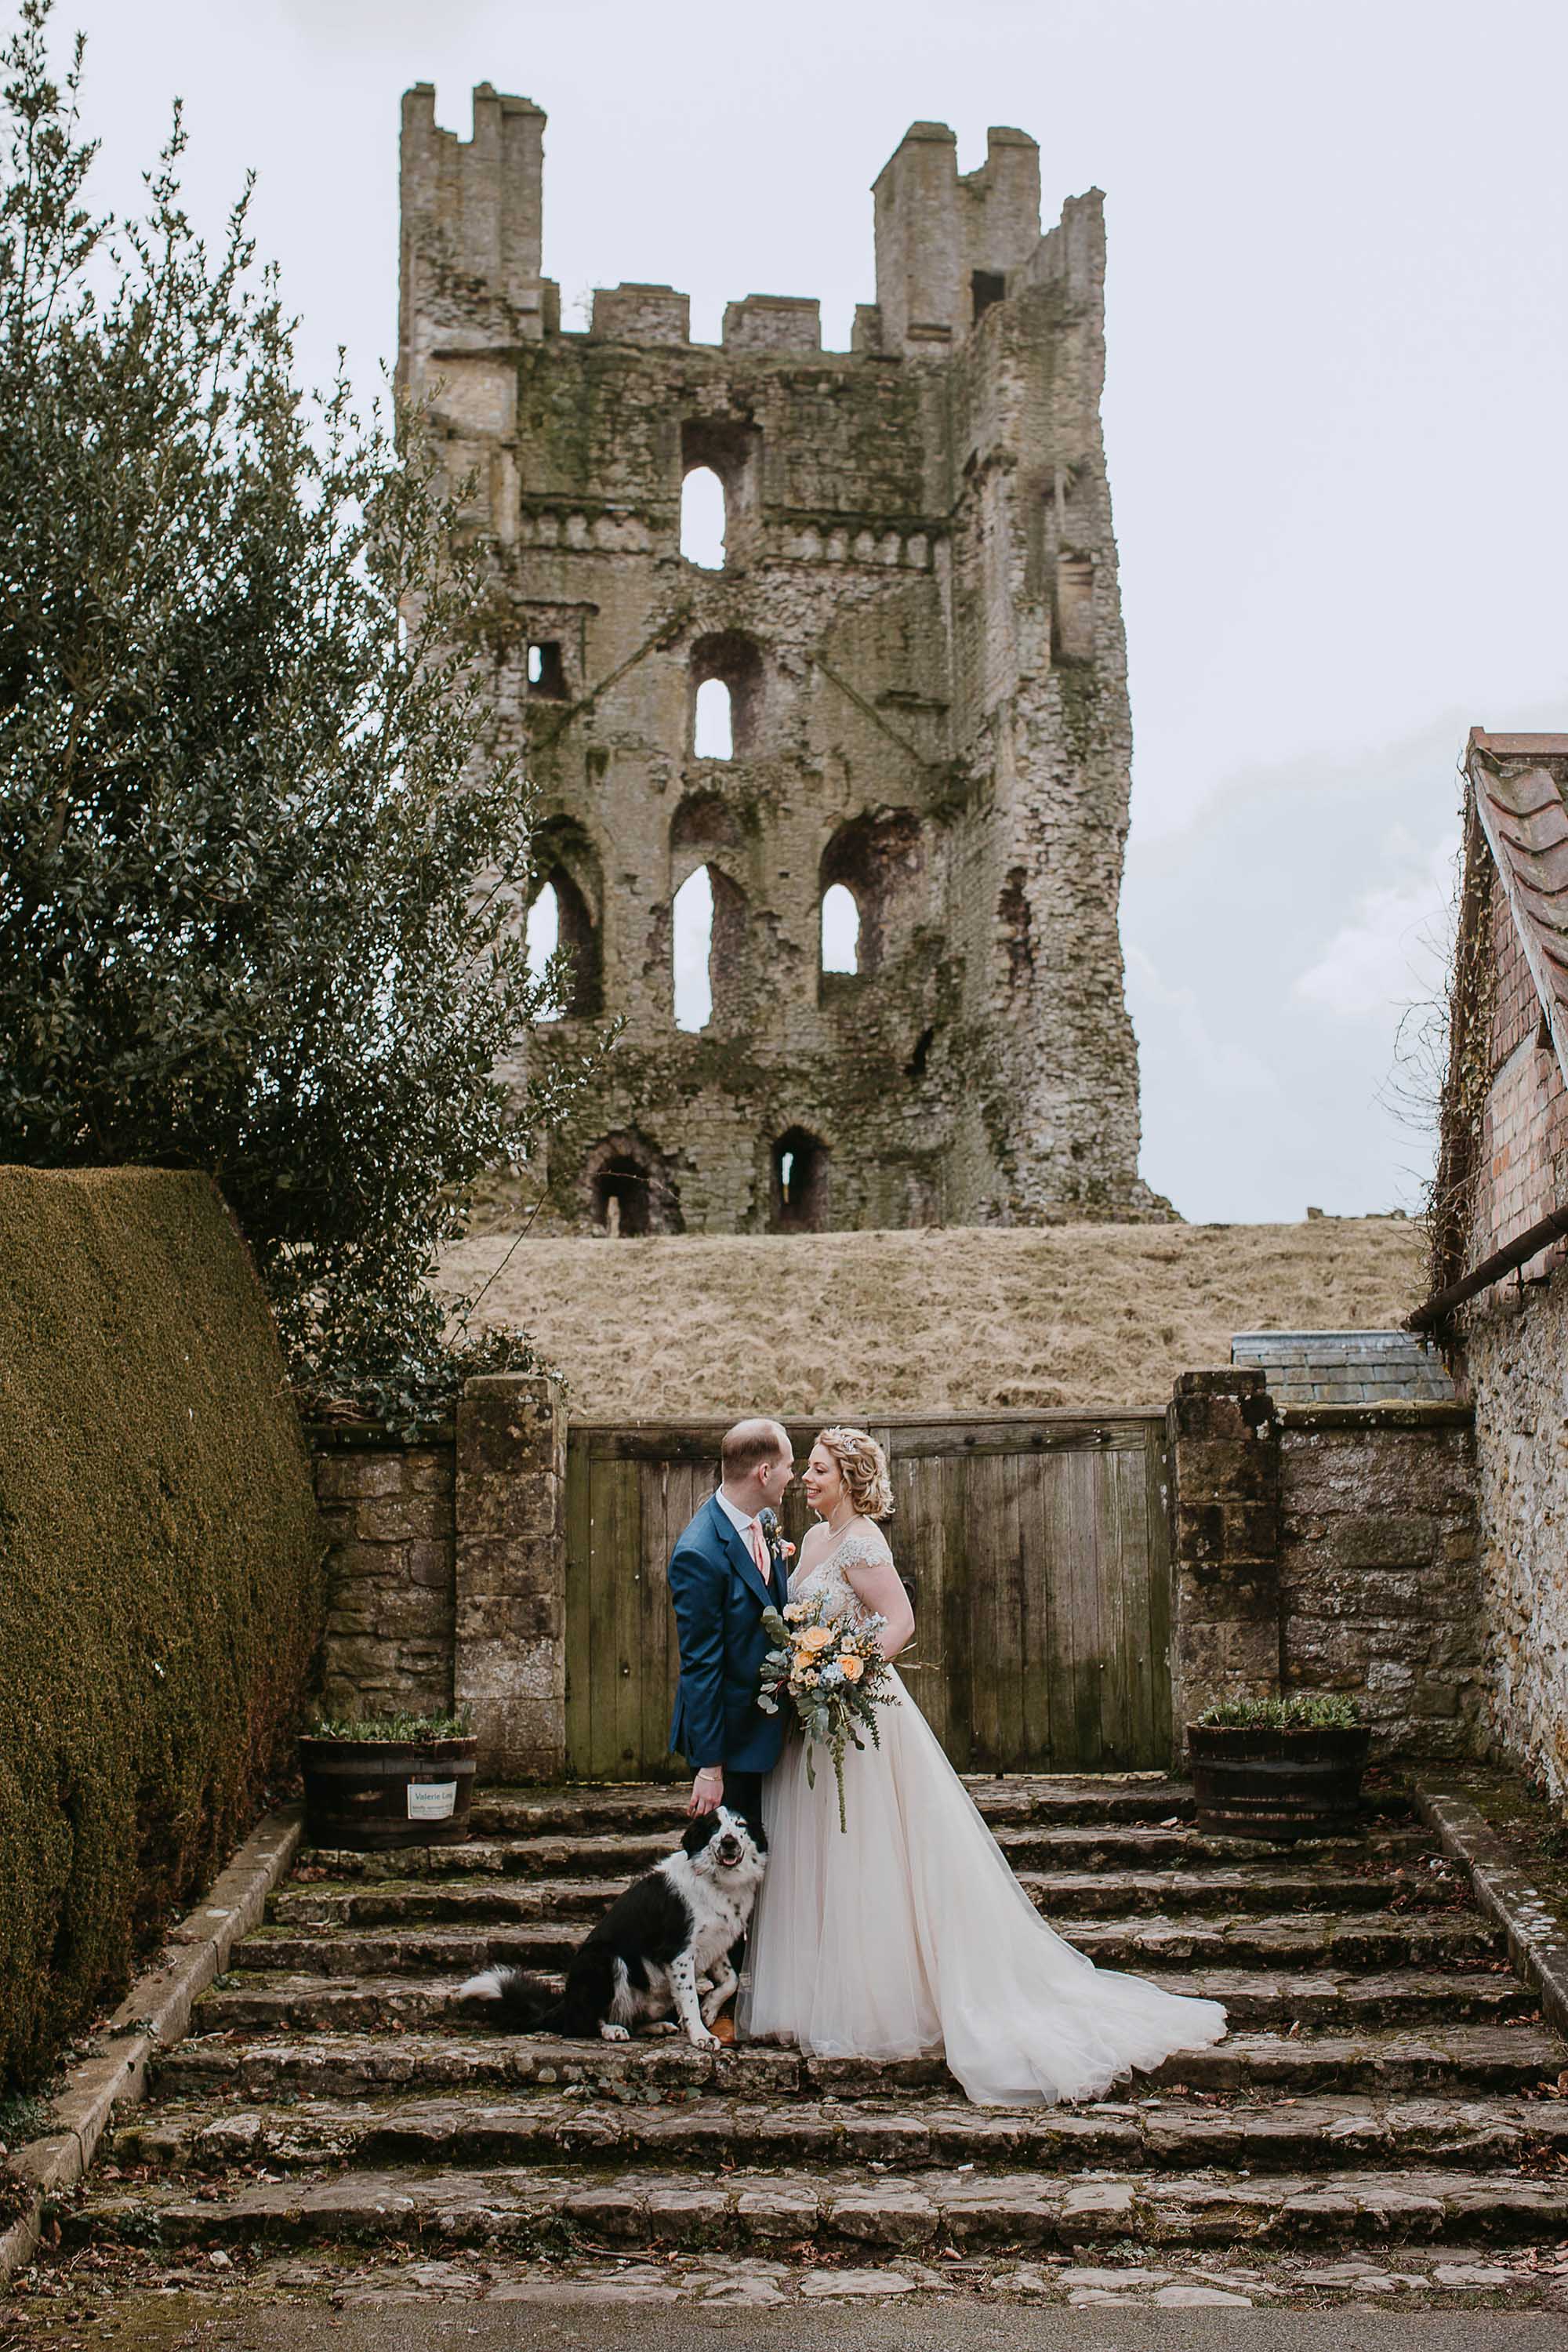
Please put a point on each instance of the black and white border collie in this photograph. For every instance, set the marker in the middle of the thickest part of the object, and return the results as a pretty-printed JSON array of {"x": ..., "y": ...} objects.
[{"x": 677, "y": 1924}]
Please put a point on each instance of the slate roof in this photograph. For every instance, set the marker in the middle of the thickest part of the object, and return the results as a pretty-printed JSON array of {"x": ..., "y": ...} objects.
[
  {"x": 1520, "y": 787},
  {"x": 1345, "y": 1367}
]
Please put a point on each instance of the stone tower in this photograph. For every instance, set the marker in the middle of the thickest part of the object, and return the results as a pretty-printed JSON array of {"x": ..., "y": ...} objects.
[{"x": 917, "y": 623}]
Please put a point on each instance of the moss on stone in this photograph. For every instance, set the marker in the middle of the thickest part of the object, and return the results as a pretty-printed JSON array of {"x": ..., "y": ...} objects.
[{"x": 160, "y": 1577}]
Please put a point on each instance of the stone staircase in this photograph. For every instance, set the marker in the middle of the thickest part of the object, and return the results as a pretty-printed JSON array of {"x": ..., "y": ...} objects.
[{"x": 1376, "y": 2085}]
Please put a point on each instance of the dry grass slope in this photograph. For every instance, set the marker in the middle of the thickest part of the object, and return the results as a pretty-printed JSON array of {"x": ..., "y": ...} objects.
[{"x": 949, "y": 1321}]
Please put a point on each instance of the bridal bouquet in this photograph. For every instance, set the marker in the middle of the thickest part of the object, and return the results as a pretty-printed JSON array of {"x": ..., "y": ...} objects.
[{"x": 833, "y": 1676}]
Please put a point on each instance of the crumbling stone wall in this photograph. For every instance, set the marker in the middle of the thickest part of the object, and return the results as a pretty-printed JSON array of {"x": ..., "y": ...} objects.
[
  {"x": 388, "y": 1512},
  {"x": 918, "y": 623},
  {"x": 1327, "y": 1548},
  {"x": 1379, "y": 1585},
  {"x": 1516, "y": 1346}
]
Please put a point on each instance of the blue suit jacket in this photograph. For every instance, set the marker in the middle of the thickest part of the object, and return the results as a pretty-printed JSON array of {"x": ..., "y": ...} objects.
[{"x": 719, "y": 1598}]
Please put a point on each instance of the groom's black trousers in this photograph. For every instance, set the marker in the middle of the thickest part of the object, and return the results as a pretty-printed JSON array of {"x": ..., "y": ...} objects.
[{"x": 743, "y": 1794}]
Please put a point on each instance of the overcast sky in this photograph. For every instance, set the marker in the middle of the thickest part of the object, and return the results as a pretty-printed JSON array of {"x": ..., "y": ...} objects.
[{"x": 1335, "y": 414}]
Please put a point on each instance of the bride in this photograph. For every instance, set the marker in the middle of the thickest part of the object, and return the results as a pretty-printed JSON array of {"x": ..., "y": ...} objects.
[{"x": 908, "y": 1935}]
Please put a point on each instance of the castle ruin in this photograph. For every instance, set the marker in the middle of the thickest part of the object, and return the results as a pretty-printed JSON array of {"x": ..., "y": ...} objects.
[{"x": 917, "y": 624}]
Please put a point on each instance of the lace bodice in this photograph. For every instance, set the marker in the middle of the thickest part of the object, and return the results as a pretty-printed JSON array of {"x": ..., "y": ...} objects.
[{"x": 828, "y": 1576}]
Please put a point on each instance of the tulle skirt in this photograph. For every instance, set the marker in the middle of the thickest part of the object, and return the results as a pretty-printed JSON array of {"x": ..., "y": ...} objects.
[{"x": 907, "y": 1935}]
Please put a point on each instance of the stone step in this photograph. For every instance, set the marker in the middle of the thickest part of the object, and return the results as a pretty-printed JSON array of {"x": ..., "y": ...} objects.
[
  {"x": 836, "y": 2207},
  {"x": 1067, "y": 1797},
  {"x": 1457, "y": 2060},
  {"x": 552, "y": 2127},
  {"x": 1370, "y": 1939},
  {"x": 1071, "y": 1799},
  {"x": 307, "y": 2001},
  {"x": 1079, "y": 1894},
  {"x": 1406, "y": 1854}
]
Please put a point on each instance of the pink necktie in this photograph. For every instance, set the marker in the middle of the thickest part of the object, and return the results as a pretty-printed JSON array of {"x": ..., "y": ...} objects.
[{"x": 759, "y": 1550}]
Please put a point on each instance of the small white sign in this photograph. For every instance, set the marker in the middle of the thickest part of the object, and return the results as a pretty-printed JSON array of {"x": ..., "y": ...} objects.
[{"x": 432, "y": 1801}]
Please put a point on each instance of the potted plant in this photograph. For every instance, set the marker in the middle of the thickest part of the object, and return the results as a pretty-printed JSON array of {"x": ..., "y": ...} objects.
[
  {"x": 1278, "y": 1768},
  {"x": 376, "y": 1781}
]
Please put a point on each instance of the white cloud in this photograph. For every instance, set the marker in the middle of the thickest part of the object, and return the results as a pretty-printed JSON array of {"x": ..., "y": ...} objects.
[
  {"x": 1391, "y": 951},
  {"x": 1173, "y": 1013}
]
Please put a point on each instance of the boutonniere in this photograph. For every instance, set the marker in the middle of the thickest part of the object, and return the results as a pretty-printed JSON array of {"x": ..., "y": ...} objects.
[{"x": 768, "y": 1521}]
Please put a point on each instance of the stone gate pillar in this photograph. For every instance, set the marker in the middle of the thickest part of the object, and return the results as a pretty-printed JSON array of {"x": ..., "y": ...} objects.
[
  {"x": 1223, "y": 1444},
  {"x": 510, "y": 1662}
]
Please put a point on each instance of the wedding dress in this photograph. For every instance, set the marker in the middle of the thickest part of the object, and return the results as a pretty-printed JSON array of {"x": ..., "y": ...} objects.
[{"x": 908, "y": 1935}]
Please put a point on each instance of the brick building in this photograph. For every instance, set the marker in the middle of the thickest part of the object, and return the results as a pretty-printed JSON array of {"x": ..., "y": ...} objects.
[{"x": 1500, "y": 1276}]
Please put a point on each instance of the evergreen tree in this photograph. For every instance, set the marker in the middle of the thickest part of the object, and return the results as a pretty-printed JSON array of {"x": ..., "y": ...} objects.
[{"x": 260, "y": 873}]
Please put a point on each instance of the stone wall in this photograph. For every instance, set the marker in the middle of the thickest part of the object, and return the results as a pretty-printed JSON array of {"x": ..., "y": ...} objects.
[
  {"x": 1327, "y": 1548},
  {"x": 1379, "y": 1589},
  {"x": 445, "y": 1575},
  {"x": 388, "y": 1512},
  {"x": 918, "y": 622},
  {"x": 1516, "y": 1359}
]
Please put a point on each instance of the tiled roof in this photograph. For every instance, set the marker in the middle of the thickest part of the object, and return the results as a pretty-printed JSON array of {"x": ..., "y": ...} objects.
[
  {"x": 1345, "y": 1367},
  {"x": 1520, "y": 786}
]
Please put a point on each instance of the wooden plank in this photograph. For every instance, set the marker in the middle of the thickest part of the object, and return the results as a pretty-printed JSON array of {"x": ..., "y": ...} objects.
[
  {"x": 626, "y": 1594},
  {"x": 1121, "y": 1551},
  {"x": 653, "y": 1617},
  {"x": 579, "y": 1573},
  {"x": 1076, "y": 1648},
  {"x": 916, "y": 1537},
  {"x": 981, "y": 1483},
  {"x": 1132, "y": 1482},
  {"x": 957, "y": 1647},
  {"x": 1032, "y": 1434},
  {"x": 1164, "y": 1746},
  {"x": 672, "y": 1434},
  {"x": 598, "y": 1662},
  {"x": 1034, "y": 1473}
]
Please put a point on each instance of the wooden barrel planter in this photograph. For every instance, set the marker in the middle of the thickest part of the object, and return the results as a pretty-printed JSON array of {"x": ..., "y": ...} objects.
[
  {"x": 370, "y": 1794},
  {"x": 1253, "y": 1780}
]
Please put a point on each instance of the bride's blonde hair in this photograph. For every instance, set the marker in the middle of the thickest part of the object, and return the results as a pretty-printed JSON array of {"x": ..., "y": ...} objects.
[{"x": 863, "y": 1466}]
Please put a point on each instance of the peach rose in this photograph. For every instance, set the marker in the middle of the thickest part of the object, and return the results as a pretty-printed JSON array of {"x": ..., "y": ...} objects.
[
  {"x": 851, "y": 1667},
  {"x": 815, "y": 1638}
]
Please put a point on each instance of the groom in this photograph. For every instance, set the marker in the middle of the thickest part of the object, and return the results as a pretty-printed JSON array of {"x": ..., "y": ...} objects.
[{"x": 723, "y": 1573}]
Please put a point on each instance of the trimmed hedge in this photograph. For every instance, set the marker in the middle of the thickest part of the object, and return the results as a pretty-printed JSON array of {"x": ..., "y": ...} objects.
[{"x": 160, "y": 1577}]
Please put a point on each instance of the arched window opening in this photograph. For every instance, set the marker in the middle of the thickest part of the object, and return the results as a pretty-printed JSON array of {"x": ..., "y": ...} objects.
[
  {"x": 560, "y": 922},
  {"x": 877, "y": 864},
  {"x": 629, "y": 1189},
  {"x": 800, "y": 1183},
  {"x": 840, "y": 929},
  {"x": 620, "y": 1198},
  {"x": 734, "y": 662},
  {"x": 702, "y": 519},
  {"x": 693, "y": 951},
  {"x": 543, "y": 938},
  {"x": 713, "y": 734}
]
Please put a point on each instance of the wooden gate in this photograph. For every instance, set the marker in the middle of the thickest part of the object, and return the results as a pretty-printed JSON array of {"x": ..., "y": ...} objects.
[{"x": 1036, "y": 1547}]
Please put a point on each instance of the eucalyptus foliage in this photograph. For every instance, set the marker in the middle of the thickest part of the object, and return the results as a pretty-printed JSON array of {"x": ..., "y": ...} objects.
[{"x": 261, "y": 870}]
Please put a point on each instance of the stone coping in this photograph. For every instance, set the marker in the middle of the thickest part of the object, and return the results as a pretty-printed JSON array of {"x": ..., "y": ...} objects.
[
  {"x": 358, "y": 1436},
  {"x": 1392, "y": 1413},
  {"x": 1504, "y": 1881},
  {"x": 154, "y": 2014}
]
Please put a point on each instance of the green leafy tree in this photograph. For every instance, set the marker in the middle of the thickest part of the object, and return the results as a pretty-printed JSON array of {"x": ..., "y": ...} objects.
[{"x": 261, "y": 870}]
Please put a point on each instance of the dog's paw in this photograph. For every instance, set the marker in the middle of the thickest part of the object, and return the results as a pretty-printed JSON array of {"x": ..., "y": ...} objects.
[
  {"x": 702, "y": 2040},
  {"x": 663, "y": 2025},
  {"x": 613, "y": 2033}
]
